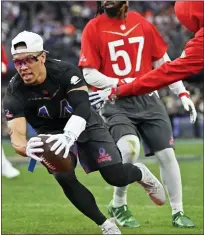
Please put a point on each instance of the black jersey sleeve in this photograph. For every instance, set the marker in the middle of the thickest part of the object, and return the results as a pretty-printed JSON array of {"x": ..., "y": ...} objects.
[
  {"x": 13, "y": 104},
  {"x": 72, "y": 78}
]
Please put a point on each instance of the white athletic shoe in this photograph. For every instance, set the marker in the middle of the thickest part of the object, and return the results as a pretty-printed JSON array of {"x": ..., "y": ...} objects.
[
  {"x": 109, "y": 227},
  {"x": 151, "y": 185},
  {"x": 10, "y": 172}
]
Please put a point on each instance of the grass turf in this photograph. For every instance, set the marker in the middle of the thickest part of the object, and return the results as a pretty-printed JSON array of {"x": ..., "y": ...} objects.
[
  {"x": 191, "y": 147},
  {"x": 34, "y": 203}
]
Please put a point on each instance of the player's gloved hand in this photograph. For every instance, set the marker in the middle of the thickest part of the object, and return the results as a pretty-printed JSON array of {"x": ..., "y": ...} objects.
[
  {"x": 188, "y": 105},
  {"x": 98, "y": 106},
  {"x": 33, "y": 148},
  {"x": 125, "y": 81},
  {"x": 102, "y": 96},
  {"x": 62, "y": 142}
]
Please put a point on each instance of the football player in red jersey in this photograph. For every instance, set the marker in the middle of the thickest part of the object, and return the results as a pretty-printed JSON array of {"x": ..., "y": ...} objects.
[
  {"x": 117, "y": 46},
  {"x": 191, "y": 61}
]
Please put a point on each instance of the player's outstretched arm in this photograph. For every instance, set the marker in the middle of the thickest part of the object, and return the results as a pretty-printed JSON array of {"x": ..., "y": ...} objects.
[
  {"x": 176, "y": 87},
  {"x": 164, "y": 75},
  {"x": 170, "y": 72},
  {"x": 17, "y": 132}
]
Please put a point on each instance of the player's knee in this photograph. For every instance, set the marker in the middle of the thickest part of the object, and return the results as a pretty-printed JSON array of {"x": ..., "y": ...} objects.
[
  {"x": 166, "y": 156},
  {"x": 114, "y": 175},
  {"x": 129, "y": 146},
  {"x": 116, "y": 181},
  {"x": 65, "y": 178}
]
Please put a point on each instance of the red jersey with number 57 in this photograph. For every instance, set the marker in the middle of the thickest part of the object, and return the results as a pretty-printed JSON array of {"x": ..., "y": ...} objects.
[{"x": 121, "y": 48}]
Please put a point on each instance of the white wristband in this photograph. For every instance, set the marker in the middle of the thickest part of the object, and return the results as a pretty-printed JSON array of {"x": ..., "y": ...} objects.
[
  {"x": 76, "y": 125},
  {"x": 177, "y": 87}
]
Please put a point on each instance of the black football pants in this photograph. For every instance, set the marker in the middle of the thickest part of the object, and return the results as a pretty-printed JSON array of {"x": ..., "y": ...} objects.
[{"x": 117, "y": 175}]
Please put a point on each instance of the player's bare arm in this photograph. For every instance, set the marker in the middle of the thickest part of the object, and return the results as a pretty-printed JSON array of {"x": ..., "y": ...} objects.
[
  {"x": 17, "y": 132},
  {"x": 82, "y": 88}
]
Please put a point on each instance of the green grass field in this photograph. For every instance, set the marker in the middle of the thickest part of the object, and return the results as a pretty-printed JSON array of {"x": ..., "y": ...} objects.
[
  {"x": 34, "y": 203},
  {"x": 184, "y": 148}
]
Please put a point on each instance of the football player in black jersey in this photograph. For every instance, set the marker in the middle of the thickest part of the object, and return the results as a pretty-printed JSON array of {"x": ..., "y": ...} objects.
[{"x": 52, "y": 96}]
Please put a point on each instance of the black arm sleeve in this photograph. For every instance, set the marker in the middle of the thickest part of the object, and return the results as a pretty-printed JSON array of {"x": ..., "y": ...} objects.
[
  {"x": 72, "y": 79},
  {"x": 79, "y": 100}
]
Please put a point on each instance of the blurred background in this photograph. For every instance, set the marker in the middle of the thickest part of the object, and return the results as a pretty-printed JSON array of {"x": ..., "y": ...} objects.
[{"x": 61, "y": 25}]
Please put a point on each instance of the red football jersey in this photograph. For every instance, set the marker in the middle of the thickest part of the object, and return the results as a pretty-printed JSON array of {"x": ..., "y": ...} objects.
[
  {"x": 121, "y": 48},
  {"x": 192, "y": 62}
]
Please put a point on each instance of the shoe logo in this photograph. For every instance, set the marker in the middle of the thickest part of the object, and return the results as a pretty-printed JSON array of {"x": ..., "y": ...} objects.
[{"x": 123, "y": 34}]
